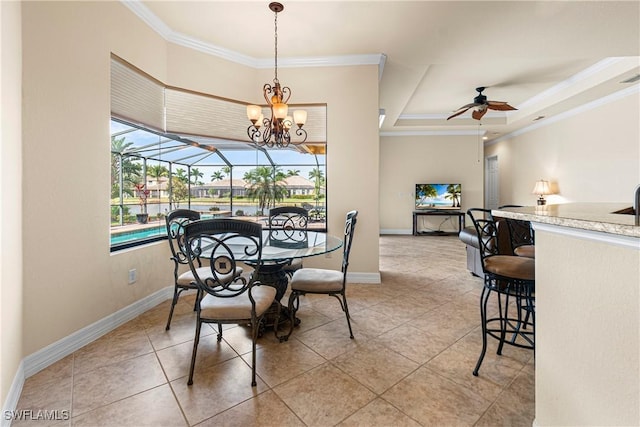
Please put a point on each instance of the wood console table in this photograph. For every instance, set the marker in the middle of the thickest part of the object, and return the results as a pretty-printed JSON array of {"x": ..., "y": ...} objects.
[{"x": 448, "y": 213}]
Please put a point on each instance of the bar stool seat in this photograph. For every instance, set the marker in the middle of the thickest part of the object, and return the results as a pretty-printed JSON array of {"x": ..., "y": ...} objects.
[
  {"x": 527, "y": 251},
  {"x": 508, "y": 266}
]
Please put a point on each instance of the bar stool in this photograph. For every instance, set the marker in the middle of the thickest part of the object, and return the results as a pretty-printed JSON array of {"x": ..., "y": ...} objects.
[
  {"x": 521, "y": 235},
  {"x": 512, "y": 279}
]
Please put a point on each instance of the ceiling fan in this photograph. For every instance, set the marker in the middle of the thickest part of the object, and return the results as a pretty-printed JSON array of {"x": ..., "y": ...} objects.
[{"x": 480, "y": 106}]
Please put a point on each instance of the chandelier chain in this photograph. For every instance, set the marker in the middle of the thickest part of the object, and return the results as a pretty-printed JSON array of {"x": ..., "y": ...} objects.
[{"x": 275, "y": 25}]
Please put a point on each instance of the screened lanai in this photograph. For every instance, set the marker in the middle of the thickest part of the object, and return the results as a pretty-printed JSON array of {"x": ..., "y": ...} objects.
[{"x": 174, "y": 148}]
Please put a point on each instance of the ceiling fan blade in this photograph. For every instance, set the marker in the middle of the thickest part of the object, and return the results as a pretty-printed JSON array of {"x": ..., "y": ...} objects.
[
  {"x": 500, "y": 106},
  {"x": 478, "y": 114},
  {"x": 462, "y": 110}
]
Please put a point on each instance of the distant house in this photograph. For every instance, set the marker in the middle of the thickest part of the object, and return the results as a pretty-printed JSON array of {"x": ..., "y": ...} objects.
[
  {"x": 159, "y": 187},
  {"x": 297, "y": 185},
  {"x": 220, "y": 188}
]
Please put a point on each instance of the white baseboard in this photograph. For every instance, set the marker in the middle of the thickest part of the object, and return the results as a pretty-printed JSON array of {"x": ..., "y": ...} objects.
[
  {"x": 396, "y": 231},
  {"x": 364, "y": 278},
  {"x": 11, "y": 402},
  {"x": 50, "y": 354}
]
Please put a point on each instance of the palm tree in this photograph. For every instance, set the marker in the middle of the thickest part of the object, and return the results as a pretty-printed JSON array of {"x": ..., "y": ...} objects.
[
  {"x": 454, "y": 194},
  {"x": 226, "y": 170},
  {"x": 265, "y": 185},
  {"x": 294, "y": 172},
  {"x": 157, "y": 171},
  {"x": 317, "y": 175},
  {"x": 217, "y": 176},
  {"x": 181, "y": 174},
  {"x": 195, "y": 174},
  {"x": 122, "y": 164},
  {"x": 423, "y": 192}
]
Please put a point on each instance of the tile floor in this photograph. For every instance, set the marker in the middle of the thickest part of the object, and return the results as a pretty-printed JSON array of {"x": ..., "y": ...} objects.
[{"x": 417, "y": 338}]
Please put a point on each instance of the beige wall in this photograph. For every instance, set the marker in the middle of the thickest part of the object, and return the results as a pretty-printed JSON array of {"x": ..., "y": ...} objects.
[
  {"x": 66, "y": 61},
  {"x": 66, "y": 58},
  {"x": 410, "y": 160},
  {"x": 590, "y": 157},
  {"x": 11, "y": 306},
  {"x": 587, "y": 331},
  {"x": 351, "y": 95}
]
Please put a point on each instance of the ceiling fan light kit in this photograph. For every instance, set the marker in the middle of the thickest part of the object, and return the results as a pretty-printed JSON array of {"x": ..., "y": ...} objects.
[{"x": 481, "y": 105}]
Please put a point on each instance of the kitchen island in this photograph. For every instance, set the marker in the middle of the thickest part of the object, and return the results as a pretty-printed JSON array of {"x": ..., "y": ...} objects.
[{"x": 587, "y": 313}]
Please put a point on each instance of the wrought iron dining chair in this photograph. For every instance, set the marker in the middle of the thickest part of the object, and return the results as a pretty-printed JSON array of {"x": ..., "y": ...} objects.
[
  {"x": 510, "y": 278},
  {"x": 290, "y": 223},
  {"x": 228, "y": 295},
  {"x": 323, "y": 281},
  {"x": 176, "y": 221}
]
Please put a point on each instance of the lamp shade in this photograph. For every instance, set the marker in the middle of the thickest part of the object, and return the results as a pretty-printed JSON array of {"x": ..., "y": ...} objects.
[
  {"x": 300, "y": 117},
  {"x": 280, "y": 110},
  {"x": 253, "y": 112},
  {"x": 541, "y": 188}
]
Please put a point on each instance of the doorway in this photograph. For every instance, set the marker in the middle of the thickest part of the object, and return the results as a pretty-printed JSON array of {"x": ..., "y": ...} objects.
[{"x": 491, "y": 191}]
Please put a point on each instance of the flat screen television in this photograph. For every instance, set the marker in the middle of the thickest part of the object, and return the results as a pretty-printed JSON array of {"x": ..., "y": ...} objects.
[{"x": 438, "y": 196}]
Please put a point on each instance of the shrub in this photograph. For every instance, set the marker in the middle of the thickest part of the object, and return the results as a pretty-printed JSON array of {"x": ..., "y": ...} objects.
[{"x": 239, "y": 212}]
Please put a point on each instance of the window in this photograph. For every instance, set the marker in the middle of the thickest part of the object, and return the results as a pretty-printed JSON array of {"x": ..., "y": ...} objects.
[
  {"x": 175, "y": 148},
  {"x": 153, "y": 173}
]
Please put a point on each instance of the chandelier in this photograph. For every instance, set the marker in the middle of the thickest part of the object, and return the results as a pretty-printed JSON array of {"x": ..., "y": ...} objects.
[{"x": 275, "y": 131}]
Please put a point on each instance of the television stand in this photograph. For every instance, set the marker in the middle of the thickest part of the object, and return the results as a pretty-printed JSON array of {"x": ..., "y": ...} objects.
[{"x": 445, "y": 212}]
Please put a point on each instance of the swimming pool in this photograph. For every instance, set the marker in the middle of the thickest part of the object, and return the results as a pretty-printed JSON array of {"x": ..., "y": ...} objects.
[
  {"x": 149, "y": 231},
  {"x": 133, "y": 235}
]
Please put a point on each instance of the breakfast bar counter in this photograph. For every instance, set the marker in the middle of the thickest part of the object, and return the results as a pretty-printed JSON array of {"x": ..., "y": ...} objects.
[
  {"x": 587, "y": 357},
  {"x": 598, "y": 217}
]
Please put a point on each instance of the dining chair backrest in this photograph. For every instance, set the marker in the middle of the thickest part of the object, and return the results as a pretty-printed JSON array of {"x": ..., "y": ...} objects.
[
  {"x": 224, "y": 243},
  {"x": 176, "y": 221},
  {"x": 288, "y": 218},
  {"x": 349, "y": 229}
]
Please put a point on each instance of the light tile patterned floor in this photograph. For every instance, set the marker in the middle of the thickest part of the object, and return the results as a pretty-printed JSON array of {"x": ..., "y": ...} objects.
[{"x": 417, "y": 339}]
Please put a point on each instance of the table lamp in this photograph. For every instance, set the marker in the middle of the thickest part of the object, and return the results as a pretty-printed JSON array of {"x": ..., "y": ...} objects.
[{"x": 541, "y": 189}]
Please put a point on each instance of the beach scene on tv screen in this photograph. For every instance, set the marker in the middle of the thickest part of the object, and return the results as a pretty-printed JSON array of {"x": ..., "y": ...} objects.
[{"x": 438, "y": 196}]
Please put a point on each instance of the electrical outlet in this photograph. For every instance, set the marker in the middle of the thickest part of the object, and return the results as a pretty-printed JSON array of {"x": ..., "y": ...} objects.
[{"x": 132, "y": 276}]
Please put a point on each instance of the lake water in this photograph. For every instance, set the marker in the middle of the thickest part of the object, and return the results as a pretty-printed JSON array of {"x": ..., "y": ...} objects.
[{"x": 153, "y": 209}]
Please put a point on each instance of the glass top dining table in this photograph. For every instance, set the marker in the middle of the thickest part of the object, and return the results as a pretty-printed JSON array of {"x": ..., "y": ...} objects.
[
  {"x": 279, "y": 246},
  {"x": 282, "y": 245}
]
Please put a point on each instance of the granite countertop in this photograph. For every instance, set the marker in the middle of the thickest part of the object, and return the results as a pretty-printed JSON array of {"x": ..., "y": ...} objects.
[{"x": 586, "y": 216}]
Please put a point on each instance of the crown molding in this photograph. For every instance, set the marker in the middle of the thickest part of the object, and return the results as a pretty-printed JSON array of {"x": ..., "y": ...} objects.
[
  {"x": 440, "y": 116},
  {"x": 433, "y": 133},
  {"x": 570, "y": 113},
  {"x": 155, "y": 23},
  {"x": 572, "y": 81}
]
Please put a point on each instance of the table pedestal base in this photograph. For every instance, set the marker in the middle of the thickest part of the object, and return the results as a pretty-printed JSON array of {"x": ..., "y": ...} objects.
[{"x": 274, "y": 274}]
